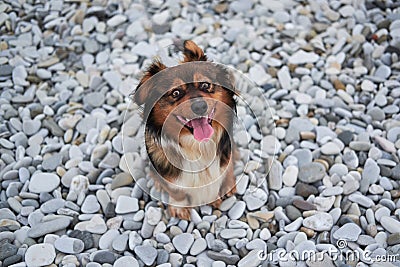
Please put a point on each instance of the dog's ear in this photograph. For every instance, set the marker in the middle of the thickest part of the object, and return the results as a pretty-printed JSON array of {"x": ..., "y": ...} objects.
[
  {"x": 144, "y": 86},
  {"x": 192, "y": 52}
]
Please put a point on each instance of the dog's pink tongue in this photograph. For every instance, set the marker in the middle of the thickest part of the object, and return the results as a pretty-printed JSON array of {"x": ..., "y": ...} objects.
[{"x": 202, "y": 130}]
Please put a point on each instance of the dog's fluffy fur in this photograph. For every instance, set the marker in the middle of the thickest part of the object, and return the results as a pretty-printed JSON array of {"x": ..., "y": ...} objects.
[{"x": 192, "y": 163}]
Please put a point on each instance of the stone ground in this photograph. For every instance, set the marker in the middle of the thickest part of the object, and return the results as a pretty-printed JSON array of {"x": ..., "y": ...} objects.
[{"x": 330, "y": 73}]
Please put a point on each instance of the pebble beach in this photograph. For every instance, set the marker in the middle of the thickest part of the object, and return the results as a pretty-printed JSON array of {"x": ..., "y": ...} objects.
[{"x": 319, "y": 138}]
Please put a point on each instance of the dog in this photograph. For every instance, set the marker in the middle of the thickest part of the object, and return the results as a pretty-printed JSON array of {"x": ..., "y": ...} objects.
[{"x": 189, "y": 111}]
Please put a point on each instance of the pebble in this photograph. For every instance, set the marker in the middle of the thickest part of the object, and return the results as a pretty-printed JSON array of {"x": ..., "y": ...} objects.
[
  {"x": 233, "y": 233},
  {"x": 43, "y": 182},
  {"x": 302, "y": 57},
  {"x": 330, "y": 148},
  {"x": 46, "y": 251},
  {"x": 52, "y": 205},
  {"x": 391, "y": 225},
  {"x": 198, "y": 246},
  {"x": 183, "y": 242},
  {"x": 126, "y": 261},
  {"x": 319, "y": 222},
  {"x": 311, "y": 172},
  {"x": 290, "y": 176},
  {"x": 69, "y": 245},
  {"x": 90, "y": 205},
  {"x": 237, "y": 210},
  {"x": 154, "y": 215},
  {"x": 349, "y": 232},
  {"x": 46, "y": 227},
  {"x": 126, "y": 204},
  {"x": 146, "y": 253}
]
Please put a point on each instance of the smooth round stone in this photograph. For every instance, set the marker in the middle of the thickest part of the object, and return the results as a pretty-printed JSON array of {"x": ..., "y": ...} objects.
[
  {"x": 361, "y": 200},
  {"x": 319, "y": 222},
  {"x": 367, "y": 85},
  {"x": 183, "y": 242},
  {"x": 162, "y": 238},
  {"x": 233, "y": 233},
  {"x": 390, "y": 224},
  {"x": 43, "y": 182},
  {"x": 305, "y": 190},
  {"x": 371, "y": 171},
  {"x": 146, "y": 253},
  {"x": 393, "y": 134},
  {"x": 330, "y": 148},
  {"x": 90, "y": 205},
  {"x": 270, "y": 145},
  {"x": 304, "y": 156},
  {"x": 302, "y": 57},
  {"x": 121, "y": 180},
  {"x": 43, "y": 74},
  {"x": 383, "y": 72},
  {"x": 198, "y": 246},
  {"x": 96, "y": 225},
  {"x": 126, "y": 204},
  {"x": 376, "y": 113},
  {"x": 94, "y": 99},
  {"x": 31, "y": 127},
  {"x": 154, "y": 215},
  {"x": 265, "y": 234},
  {"x": 120, "y": 242},
  {"x": 47, "y": 255},
  {"x": 275, "y": 175},
  {"x": 350, "y": 159},
  {"x": 332, "y": 191},
  {"x": 255, "y": 198},
  {"x": 52, "y": 162},
  {"x": 85, "y": 124},
  {"x": 103, "y": 256},
  {"x": 6, "y": 213},
  {"x": 46, "y": 227},
  {"x": 346, "y": 137},
  {"x": 295, "y": 225},
  {"x": 379, "y": 213},
  {"x": 349, "y": 231},
  {"x": 311, "y": 172},
  {"x": 7, "y": 250},
  {"x": 227, "y": 203},
  {"x": 381, "y": 100},
  {"x": 256, "y": 244},
  {"x": 107, "y": 238},
  {"x": 111, "y": 160},
  {"x": 290, "y": 176},
  {"x": 339, "y": 169},
  {"x": 376, "y": 189},
  {"x": 126, "y": 261},
  {"x": 86, "y": 238},
  {"x": 359, "y": 145},
  {"x": 52, "y": 205},
  {"x": 69, "y": 245},
  {"x": 292, "y": 212},
  {"x": 251, "y": 259}
]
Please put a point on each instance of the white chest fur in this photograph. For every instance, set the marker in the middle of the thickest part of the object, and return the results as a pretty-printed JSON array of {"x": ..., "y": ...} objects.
[{"x": 201, "y": 176}]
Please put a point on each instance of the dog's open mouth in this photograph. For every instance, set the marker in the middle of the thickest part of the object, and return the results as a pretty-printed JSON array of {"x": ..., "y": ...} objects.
[{"x": 200, "y": 127}]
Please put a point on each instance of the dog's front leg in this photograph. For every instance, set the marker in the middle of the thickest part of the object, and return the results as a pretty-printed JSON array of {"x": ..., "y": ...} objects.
[{"x": 179, "y": 209}]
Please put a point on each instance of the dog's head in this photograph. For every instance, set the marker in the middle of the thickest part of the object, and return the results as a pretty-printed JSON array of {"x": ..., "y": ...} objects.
[{"x": 194, "y": 98}]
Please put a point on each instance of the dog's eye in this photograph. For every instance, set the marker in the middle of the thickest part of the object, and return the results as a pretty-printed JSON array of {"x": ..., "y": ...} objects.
[
  {"x": 176, "y": 93},
  {"x": 204, "y": 86}
]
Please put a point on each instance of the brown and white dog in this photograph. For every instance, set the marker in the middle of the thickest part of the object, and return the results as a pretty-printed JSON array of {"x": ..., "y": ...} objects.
[{"x": 189, "y": 110}]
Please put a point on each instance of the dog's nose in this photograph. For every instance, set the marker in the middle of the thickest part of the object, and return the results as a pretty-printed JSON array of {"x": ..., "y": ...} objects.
[{"x": 199, "y": 107}]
